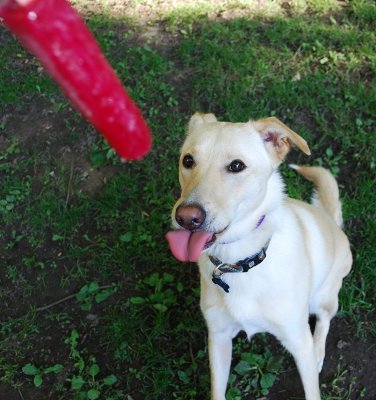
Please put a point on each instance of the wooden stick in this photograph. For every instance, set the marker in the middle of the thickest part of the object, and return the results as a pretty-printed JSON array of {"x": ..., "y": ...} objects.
[{"x": 71, "y": 296}]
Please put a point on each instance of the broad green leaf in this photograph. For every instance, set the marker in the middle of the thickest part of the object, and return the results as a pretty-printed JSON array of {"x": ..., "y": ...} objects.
[
  {"x": 110, "y": 380},
  {"x": 126, "y": 238},
  {"x": 81, "y": 295},
  {"x": 56, "y": 238},
  {"x": 137, "y": 300},
  {"x": 267, "y": 380},
  {"x": 54, "y": 369},
  {"x": 30, "y": 369},
  {"x": 103, "y": 295},
  {"x": 98, "y": 159},
  {"x": 93, "y": 287},
  {"x": 183, "y": 377},
  {"x": 93, "y": 394},
  {"x": 242, "y": 367},
  {"x": 38, "y": 380},
  {"x": 77, "y": 382},
  {"x": 168, "y": 278},
  {"x": 274, "y": 364},
  {"x": 160, "y": 307},
  {"x": 94, "y": 370},
  {"x": 179, "y": 287}
]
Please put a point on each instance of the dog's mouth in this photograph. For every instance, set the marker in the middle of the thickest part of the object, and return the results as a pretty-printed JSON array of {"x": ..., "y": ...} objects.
[{"x": 188, "y": 245}]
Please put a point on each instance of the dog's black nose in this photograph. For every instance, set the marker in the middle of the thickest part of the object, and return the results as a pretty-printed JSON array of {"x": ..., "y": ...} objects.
[{"x": 190, "y": 216}]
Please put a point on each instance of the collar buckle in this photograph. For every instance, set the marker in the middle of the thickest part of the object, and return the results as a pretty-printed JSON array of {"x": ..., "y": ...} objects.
[
  {"x": 217, "y": 278},
  {"x": 241, "y": 266}
]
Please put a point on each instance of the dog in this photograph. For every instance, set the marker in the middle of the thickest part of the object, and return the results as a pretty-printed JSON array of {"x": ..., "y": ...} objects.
[{"x": 267, "y": 262}]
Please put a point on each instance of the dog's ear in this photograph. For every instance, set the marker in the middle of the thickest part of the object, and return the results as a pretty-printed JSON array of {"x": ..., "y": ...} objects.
[
  {"x": 278, "y": 137},
  {"x": 200, "y": 118}
]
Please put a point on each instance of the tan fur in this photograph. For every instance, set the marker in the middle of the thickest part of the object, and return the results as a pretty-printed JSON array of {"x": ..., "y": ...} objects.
[
  {"x": 264, "y": 124},
  {"x": 307, "y": 257},
  {"x": 327, "y": 194}
]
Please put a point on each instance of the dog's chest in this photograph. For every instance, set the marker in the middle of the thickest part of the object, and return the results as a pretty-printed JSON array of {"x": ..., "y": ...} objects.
[
  {"x": 256, "y": 301},
  {"x": 245, "y": 300}
]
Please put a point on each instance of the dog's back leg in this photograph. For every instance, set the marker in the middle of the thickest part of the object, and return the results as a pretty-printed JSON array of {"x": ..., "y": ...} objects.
[
  {"x": 323, "y": 318},
  {"x": 299, "y": 342},
  {"x": 325, "y": 306}
]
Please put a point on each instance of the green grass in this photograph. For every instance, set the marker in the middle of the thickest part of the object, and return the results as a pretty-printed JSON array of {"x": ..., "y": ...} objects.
[{"x": 312, "y": 64}]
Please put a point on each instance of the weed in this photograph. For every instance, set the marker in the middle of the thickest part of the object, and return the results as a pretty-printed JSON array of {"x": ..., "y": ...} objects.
[
  {"x": 57, "y": 105},
  {"x": 39, "y": 373},
  {"x": 14, "y": 275},
  {"x": 12, "y": 149},
  {"x": 256, "y": 371},
  {"x": 92, "y": 291},
  {"x": 86, "y": 383},
  {"x": 163, "y": 295},
  {"x": 15, "y": 330},
  {"x": 340, "y": 388},
  {"x": 102, "y": 154},
  {"x": 332, "y": 161}
]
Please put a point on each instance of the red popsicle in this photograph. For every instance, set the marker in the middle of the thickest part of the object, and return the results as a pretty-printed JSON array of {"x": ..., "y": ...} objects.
[{"x": 55, "y": 33}]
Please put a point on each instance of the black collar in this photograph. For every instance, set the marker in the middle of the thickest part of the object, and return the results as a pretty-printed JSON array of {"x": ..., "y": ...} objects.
[{"x": 240, "y": 266}]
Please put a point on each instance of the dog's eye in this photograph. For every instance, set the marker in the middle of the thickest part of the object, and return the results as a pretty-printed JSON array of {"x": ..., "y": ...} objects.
[
  {"x": 188, "y": 161},
  {"x": 236, "y": 166}
]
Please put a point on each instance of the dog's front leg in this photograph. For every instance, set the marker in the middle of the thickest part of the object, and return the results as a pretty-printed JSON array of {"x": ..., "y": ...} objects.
[{"x": 220, "y": 351}]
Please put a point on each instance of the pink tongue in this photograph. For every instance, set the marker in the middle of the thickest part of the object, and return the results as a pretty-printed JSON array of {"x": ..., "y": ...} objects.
[{"x": 187, "y": 246}]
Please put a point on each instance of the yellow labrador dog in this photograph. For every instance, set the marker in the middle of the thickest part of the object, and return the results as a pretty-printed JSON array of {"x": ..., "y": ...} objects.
[{"x": 266, "y": 261}]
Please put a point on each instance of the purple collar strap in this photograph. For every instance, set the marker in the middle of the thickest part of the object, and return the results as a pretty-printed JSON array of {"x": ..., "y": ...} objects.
[{"x": 260, "y": 221}]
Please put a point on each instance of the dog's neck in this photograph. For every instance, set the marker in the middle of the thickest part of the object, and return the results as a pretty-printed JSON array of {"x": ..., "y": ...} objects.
[
  {"x": 232, "y": 249},
  {"x": 235, "y": 239},
  {"x": 250, "y": 234}
]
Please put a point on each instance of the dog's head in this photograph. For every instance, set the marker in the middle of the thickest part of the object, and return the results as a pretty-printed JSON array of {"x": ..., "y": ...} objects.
[{"x": 225, "y": 168}]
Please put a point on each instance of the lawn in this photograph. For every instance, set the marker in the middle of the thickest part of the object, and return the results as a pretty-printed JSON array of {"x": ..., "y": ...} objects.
[{"x": 93, "y": 306}]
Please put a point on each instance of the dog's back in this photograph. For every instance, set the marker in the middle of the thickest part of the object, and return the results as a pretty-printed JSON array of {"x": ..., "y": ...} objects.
[{"x": 326, "y": 206}]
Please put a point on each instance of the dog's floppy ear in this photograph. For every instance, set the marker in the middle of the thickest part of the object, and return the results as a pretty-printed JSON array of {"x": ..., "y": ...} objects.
[
  {"x": 200, "y": 118},
  {"x": 278, "y": 137}
]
